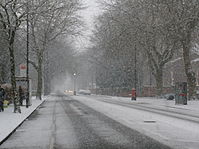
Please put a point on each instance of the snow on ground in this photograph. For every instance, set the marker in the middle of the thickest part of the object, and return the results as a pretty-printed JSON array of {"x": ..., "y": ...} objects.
[
  {"x": 191, "y": 108},
  {"x": 9, "y": 120},
  {"x": 177, "y": 133}
]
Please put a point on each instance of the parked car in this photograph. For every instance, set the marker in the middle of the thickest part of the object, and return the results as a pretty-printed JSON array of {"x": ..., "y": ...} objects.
[
  {"x": 84, "y": 92},
  {"x": 169, "y": 96}
]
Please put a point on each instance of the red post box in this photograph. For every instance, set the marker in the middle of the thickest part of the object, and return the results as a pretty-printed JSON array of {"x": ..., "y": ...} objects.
[{"x": 133, "y": 96}]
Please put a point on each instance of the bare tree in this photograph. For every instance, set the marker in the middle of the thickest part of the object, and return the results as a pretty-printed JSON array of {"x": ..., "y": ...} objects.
[
  {"x": 158, "y": 29},
  {"x": 12, "y": 14},
  {"x": 113, "y": 50},
  {"x": 142, "y": 26},
  {"x": 4, "y": 58},
  {"x": 62, "y": 57},
  {"x": 55, "y": 18},
  {"x": 157, "y": 40},
  {"x": 184, "y": 15}
]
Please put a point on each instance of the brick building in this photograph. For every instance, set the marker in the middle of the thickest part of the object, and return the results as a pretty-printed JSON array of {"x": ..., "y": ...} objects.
[{"x": 173, "y": 72}]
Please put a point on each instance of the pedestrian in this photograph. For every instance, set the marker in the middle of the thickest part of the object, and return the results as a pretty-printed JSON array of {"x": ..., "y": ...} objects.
[
  {"x": 2, "y": 96},
  {"x": 21, "y": 95}
]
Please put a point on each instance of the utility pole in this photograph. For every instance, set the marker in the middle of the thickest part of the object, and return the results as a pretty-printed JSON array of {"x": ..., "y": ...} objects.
[{"x": 27, "y": 56}]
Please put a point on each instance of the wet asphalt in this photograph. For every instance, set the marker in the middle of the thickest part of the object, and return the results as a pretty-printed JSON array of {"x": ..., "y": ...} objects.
[{"x": 64, "y": 123}]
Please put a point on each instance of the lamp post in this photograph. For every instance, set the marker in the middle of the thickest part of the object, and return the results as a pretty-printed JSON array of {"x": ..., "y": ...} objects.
[
  {"x": 197, "y": 78},
  {"x": 27, "y": 57},
  {"x": 75, "y": 76},
  {"x": 135, "y": 72},
  {"x": 150, "y": 82}
]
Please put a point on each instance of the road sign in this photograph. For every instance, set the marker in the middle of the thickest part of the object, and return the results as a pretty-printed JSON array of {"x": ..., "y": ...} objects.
[{"x": 23, "y": 69}]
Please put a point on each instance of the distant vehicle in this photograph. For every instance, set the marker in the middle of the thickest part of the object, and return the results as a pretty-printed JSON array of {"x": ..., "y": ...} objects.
[
  {"x": 84, "y": 92},
  {"x": 169, "y": 96},
  {"x": 69, "y": 92}
]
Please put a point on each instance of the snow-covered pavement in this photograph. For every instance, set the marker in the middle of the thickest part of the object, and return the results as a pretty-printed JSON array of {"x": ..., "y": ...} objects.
[
  {"x": 112, "y": 122},
  {"x": 10, "y": 121},
  {"x": 64, "y": 123},
  {"x": 173, "y": 125}
]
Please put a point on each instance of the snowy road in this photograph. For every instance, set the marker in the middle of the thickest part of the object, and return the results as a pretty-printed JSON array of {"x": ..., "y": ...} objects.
[
  {"x": 65, "y": 123},
  {"x": 174, "y": 125},
  {"x": 175, "y": 113}
]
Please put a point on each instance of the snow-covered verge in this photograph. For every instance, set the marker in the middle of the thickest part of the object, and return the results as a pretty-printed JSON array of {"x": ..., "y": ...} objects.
[
  {"x": 177, "y": 133},
  {"x": 191, "y": 108},
  {"x": 9, "y": 121}
]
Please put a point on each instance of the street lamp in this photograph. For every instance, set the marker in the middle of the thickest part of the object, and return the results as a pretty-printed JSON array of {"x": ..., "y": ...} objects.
[
  {"x": 135, "y": 72},
  {"x": 27, "y": 58},
  {"x": 74, "y": 92},
  {"x": 197, "y": 78}
]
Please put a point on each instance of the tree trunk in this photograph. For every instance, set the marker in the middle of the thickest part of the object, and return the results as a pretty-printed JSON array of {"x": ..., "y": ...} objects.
[
  {"x": 4, "y": 73},
  {"x": 12, "y": 67},
  {"x": 40, "y": 80},
  {"x": 47, "y": 81},
  {"x": 191, "y": 79},
  {"x": 1, "y": 74},
  {"x": 13, "y": 79},
  {"x": 159, "y": 81}
]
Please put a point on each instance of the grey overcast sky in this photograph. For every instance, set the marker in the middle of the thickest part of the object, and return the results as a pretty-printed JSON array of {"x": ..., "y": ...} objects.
[{"x": 92, "y": 10}]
